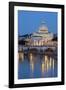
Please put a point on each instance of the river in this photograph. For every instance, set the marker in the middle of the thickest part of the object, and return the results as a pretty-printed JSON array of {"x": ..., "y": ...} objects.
[{"x": 37, "y": 66}]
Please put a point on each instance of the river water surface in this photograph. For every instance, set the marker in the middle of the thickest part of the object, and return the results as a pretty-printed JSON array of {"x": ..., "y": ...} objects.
[{"x": 37, "y": 66}]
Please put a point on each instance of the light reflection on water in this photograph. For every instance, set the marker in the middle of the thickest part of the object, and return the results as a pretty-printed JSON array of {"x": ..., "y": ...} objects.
[{"x": 36, "y": 66}]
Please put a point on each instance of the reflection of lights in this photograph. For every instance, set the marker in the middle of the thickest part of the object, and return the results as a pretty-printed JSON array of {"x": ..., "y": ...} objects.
[
  {"x": 21, "y": 56},
  {"x": 47, "y": 66},
  {"x": 53, "y": 63},
  {"x": 42, "y": 67},
  {"x": 46, "y": 63},
  {"x": 32, "y": 66},
  {"x": 31, "y": 56},
  {"x": 46, "y": 59},
  {"x": 31, "y": 62},
  {"x": 50, "y": 62}
]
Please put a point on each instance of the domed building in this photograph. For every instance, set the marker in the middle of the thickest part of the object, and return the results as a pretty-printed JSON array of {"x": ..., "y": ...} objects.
[{"x": 41, "y": 37}]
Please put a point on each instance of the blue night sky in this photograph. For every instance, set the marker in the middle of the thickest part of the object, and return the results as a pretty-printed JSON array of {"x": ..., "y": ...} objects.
[{"x": 30, "y": 21}]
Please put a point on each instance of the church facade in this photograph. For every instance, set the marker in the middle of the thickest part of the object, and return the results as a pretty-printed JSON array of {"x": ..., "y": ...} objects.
[{"x": 41, "y": 37}]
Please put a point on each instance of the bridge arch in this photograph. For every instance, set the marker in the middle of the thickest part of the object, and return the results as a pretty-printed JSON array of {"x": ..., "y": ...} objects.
[{"x": 49, "y": 51}]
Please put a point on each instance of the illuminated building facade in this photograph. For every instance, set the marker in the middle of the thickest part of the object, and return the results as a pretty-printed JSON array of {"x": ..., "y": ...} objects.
[{"x": 41, "y": 37}]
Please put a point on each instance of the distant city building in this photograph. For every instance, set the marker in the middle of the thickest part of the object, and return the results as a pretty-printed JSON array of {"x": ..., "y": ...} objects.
[{"x": 41, "y": 37}]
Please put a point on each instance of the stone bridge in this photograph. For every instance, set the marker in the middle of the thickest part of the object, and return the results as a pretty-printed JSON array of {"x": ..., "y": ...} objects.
[{"x": 36, "y": 47}]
